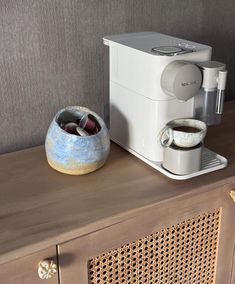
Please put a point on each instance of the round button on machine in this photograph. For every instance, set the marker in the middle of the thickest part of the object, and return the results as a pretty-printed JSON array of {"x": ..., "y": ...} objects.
[{"x": 167, "y": 49}]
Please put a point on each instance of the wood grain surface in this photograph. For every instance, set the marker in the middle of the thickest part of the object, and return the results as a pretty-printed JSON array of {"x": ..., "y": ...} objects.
[
  {"x": 40, "y": 207},
  {"x": 52, "y": 54}
]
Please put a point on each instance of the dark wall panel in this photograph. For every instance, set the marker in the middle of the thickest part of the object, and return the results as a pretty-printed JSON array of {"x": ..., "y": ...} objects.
[{"x": 52, "y": 55}]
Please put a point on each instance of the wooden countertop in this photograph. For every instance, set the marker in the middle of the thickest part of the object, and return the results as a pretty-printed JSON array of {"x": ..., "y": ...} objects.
[{"x": 40, "y": 207}]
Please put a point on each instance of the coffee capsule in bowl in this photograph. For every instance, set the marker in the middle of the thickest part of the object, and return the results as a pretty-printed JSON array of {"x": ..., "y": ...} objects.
[{"x": 183, "y": 132}]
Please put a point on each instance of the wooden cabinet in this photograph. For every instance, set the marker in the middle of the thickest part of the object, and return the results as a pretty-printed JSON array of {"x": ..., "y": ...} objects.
[
  {"x": 184, "y": 240},
  {"x": 189, "y": 240},
  {"x": 25, "y": 269},
  {"x": 123, "y": 224}
]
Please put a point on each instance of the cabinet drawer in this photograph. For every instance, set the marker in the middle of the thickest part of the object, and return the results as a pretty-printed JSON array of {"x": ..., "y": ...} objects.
[
  {"x": 182, "y": 241},
  {"x": 25, "y": 270}
]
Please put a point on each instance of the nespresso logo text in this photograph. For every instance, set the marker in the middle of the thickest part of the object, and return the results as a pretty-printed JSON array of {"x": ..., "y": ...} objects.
[{"x": 189, "y": 83}]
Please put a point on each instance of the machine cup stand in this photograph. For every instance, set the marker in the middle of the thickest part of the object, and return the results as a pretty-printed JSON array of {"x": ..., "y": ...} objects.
[{"x": 210, "y": 162}]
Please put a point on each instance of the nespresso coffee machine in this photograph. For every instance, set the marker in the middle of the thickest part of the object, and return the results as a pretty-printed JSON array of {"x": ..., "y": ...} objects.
[{"x": 155, "y": 79}]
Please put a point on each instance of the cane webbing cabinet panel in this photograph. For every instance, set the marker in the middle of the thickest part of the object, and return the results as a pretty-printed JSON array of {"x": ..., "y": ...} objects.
[{"x": 183, "y": 253}]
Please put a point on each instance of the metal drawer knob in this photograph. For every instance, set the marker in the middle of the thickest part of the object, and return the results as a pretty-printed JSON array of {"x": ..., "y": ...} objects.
[{"x": 46, "y": 269}]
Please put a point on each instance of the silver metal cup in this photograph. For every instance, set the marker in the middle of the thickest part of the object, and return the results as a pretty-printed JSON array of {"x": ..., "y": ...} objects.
[{"x": 182, "y": 161}]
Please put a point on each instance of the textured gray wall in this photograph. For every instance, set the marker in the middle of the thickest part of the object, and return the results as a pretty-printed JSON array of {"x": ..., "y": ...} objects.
[{"x": 51, "y": 53}]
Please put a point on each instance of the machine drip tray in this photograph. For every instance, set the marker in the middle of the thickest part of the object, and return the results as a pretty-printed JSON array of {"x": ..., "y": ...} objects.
[{"x": 211, "y": 161}]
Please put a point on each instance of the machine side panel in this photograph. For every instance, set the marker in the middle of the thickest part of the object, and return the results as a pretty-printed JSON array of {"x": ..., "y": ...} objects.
[
  {"x": 135, "y": 121},
  {"x": 136, "y": 70}
]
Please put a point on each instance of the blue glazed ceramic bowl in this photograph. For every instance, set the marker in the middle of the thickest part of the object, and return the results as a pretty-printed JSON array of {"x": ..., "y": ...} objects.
[{"x": 72, "y": 154}]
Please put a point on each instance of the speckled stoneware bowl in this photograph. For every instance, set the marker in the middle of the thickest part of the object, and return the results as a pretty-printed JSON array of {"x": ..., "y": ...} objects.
[{"x": 72, "y": 154}]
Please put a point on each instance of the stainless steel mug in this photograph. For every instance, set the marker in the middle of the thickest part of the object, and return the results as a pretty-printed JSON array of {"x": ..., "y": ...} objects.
[{"x": 182, "y": 161}]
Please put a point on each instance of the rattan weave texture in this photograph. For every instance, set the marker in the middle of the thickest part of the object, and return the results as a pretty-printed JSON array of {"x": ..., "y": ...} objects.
[{"x": 182, "y": 253}]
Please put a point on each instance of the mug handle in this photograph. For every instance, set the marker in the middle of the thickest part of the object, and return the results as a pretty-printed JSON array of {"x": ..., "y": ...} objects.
[{"x": 166, "y": 136}]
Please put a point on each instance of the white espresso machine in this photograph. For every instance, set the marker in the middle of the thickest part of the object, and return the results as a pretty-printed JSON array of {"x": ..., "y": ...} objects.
[{"x": 155, "y": 78}]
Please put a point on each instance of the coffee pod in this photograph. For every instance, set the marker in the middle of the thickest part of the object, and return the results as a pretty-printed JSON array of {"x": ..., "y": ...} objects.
[
  {"x": 81, "y": 131},
  {"x": 182, "y": 161},
  {"x": 70, "y": 127},
  {"x": 88, "y": 123}
]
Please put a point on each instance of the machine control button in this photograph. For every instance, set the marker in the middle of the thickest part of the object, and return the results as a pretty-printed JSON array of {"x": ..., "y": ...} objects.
[
  {"x": 170, "y": 50},
  {"x": 167, "y": 49}
]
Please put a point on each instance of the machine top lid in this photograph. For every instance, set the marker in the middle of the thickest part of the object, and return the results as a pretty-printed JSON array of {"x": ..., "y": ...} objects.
[{"x": 155, "y": 43}]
